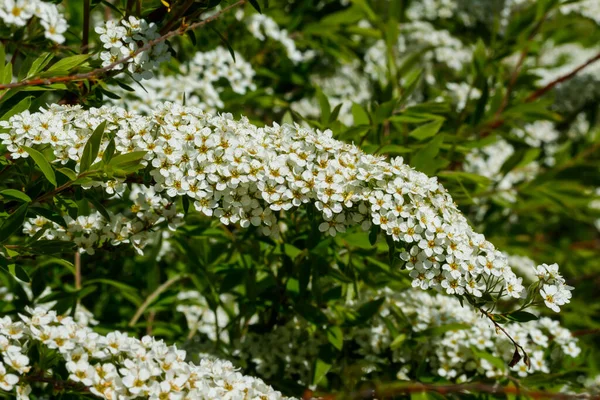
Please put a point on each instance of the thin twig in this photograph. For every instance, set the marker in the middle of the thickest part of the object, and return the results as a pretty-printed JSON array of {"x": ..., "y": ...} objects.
[
  {"x": 78, "y": 270},
  {"x": 498, "y": 122},
  {"x": 58, "y": 385},
  {"x": 462, "y": 388},
  {"x": 566, "y": 77},
  {"x": 159, "y": 290},
  {"x": 499, "y": 327},
  {"x": 101, "y": 71},
  {"x": 86, "y": 27}
]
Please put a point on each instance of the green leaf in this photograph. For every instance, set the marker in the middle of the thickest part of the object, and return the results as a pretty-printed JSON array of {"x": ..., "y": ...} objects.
[
  {"x": 367, "y": 311},
  {"x": 39, "y": 64},
  {"x": 360, "y": 115},
  {"x": 69, "y": 173},
  {"x": 225, "y": 42},
  {"x": 50, "y": 215},
  {"x": 495, "y": 361},
  {"x": 384, "y": 110},
  {"x": 411, "y": 82},
  {"x": 42, "y": 163},
  {"x": 255, "y": 4},
  {"x": 90, "y": 197},
  {"x": 522, "y": 316},
  {"x": 324, "y": 105},
  {"x": 374, "y": 234},
  {"x": 424, "y": 159},
  {"x": 7, "y": 75},
  {"x": 358, "y": 239},
  {"x": 398, "y": 341},
  {"x": 15, "y": 194},
  {"x": 414, "y": 118},
  {"x": 364, "y": 5},
  {"x": 17, "y": 108},
  {"x": 335, "y": 113},
  {"x": 124, "y": 164},
  {"x": 16, "y": 271},
  {"x": 321, "y": 369},
  {"x": 428, "y": 130},
  {"x": 66, "y": 64},
  {"x": 13, "y": 222},
  {"x": 92, "y": 147},
  {"x": 47, "y": 247},
  {"x": 335, "y": 337},
  {"x": 109, "y": 151}
]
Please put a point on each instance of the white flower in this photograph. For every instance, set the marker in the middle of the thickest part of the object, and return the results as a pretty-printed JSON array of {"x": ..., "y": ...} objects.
[{"x": 7, "y": 381}]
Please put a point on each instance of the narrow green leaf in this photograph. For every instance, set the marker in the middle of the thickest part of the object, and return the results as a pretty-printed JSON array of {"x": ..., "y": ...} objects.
[
  {"x": 360, "y": 115},
  {"x": 101, "y": 209},
  {"x": 66, "y": 64},
  {"x": 321, "y": 369},
  {"x": 42, "y": 163},
  {"x": 8, "y": 75},
  {"x": 15, "y": 194},
  {"x": 109, "y": 151},
  {"x": 17, "y": 108},
  {"x": 522, "y": 316},
  {"x": 39, "y": 64},
  {"x": 92, "y": 147},
  {"x": 69, "y": 173},
  {"x": 335, "y": 337},
  {"x": 335, "y": 113},
  {"x": 324, "y": 105},
  {"x": 13, "y": 223},
  {"x": 397, "y": 342},
  {"x": 255, "y": 5},
  {"x": 428, "y": 130},
  {"x": 16, "y": 271},
  {"x": 424, "y": 159},
  {"x": 225, "y": 42}
]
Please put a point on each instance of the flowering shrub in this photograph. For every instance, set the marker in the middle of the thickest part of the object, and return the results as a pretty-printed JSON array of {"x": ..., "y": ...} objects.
[{"x": 341, "y": 199}]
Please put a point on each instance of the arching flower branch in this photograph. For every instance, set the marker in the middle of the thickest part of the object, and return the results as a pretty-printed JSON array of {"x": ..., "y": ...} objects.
[{"x": 246, "y": 175}]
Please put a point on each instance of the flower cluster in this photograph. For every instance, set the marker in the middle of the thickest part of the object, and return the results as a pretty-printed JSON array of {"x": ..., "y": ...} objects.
[
  {"x": 461, "y": 93},
  {"x": 555, "y": 292},
  {"x": 439, "y": 46},
  {"x": 246, "y": 175},
  {"x": 18, "y": 12},
  {"x": 488, "y": 162},
  {"x": 558, "y": 60},
  {"x": 124, "y": 39},
  {"x": 200, "y": 80},
  {"x": 524, "y": 267},
  {"x": 587, "y": 8},
  {"x": 347, "y": 85},
  {"x": 89, "y": 232},
  {"x": 294, "y": 344},
  {"x": 455, "y": 354},
  {"x": 199, "y": 316},
  {"x": 115, "y": 365},
  {"x": 262, "y": 27}
]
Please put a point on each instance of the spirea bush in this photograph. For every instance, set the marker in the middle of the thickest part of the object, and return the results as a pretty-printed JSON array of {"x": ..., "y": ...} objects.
[{"x": 334, "y": 199}]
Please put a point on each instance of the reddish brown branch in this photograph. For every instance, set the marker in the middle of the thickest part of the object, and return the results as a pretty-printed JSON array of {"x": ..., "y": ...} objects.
[
  {"x": 57, "y": 385},
  {"x": 566, "y": 77},
  {"x": 414, "y": 387},
  {"x": 101, "y": 71},
  {"x": 497, "y": 121}
]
